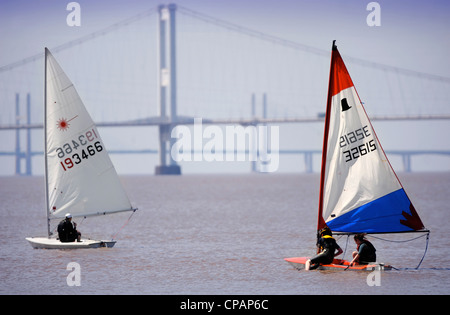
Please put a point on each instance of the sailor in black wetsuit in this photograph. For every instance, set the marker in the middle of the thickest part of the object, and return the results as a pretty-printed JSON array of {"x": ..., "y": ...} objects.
[
  {"x": 67, "y": 230},
  {"x": 365, "y": 251},
  {"x": 327, "y": 250}
]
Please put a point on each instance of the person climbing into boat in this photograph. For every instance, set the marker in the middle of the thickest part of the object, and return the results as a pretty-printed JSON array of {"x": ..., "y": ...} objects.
[
  {"x": 365, "y": 252},
  {"x": 328, "y": 249},
  {"x": 67, "y": 230}
]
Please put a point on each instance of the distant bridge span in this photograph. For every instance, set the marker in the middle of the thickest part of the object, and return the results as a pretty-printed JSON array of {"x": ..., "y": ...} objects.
[
  {"x": 168, "y": 124},
  {"x": 165, "y": 121}
]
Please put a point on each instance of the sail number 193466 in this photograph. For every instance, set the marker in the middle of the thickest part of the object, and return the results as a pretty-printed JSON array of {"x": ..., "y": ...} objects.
[
  {"x": 358, "y": 150},
  {"x": 81, "y": 149}
]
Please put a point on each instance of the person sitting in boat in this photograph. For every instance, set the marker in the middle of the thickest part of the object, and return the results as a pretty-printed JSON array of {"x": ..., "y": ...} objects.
[
  {"x": 365, "y": 251},
  {"x": 328, "y": 249},
  {"x": 67, "y": 230}
]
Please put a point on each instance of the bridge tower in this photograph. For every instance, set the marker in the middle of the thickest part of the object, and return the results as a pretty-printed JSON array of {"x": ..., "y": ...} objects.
[
  {"x": 18, "y": 153},
  {"x": 167, "y": 88}
]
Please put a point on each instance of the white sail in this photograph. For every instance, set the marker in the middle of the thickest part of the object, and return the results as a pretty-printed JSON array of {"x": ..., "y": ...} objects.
[
  {"x": 80, "y": 176},
  {"x": 357, "y": 169}
]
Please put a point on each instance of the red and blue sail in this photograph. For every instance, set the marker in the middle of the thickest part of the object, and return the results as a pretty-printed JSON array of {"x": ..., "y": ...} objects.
[{"x": 359, "y": 190}]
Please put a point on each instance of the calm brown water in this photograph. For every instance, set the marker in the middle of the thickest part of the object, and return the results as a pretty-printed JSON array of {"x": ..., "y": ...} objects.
[{"x": 215, "y": 235}]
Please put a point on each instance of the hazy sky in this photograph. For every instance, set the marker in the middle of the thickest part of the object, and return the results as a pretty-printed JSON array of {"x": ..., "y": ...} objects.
[{"x": 413, "y": 35}]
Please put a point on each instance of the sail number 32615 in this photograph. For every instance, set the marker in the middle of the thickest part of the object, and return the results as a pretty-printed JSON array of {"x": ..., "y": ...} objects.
[{"x": 359, "y": 150}]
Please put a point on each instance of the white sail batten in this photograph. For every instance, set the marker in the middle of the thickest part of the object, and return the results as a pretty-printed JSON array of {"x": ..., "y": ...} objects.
[{"x": 81, "y": 178}]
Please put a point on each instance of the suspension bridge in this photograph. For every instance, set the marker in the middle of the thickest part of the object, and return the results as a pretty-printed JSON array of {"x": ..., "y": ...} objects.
[{"x": 157, "y": 69}]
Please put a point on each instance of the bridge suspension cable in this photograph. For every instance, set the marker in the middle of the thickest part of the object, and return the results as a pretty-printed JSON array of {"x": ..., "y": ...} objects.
[
  {"x": 82, "y": 39},
  {"x": 305, "y": 48},
  {"x": 233, "y": 27}
]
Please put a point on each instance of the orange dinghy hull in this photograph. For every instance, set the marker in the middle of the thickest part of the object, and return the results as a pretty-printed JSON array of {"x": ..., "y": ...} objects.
[{"x": 337, "y": 264}]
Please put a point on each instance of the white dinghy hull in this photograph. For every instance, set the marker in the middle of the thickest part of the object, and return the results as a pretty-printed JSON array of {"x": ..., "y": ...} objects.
[{"x": 51, "y": 243}]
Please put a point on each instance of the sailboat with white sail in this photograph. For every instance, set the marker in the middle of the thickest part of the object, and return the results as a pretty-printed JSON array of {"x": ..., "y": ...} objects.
[
  {"x": 80, "y": 178},
  {"x": 359, "y": 190}
]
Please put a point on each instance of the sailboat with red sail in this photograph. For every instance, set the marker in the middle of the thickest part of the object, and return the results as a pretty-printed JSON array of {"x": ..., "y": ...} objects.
[{"x": 359, "y": 190}]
